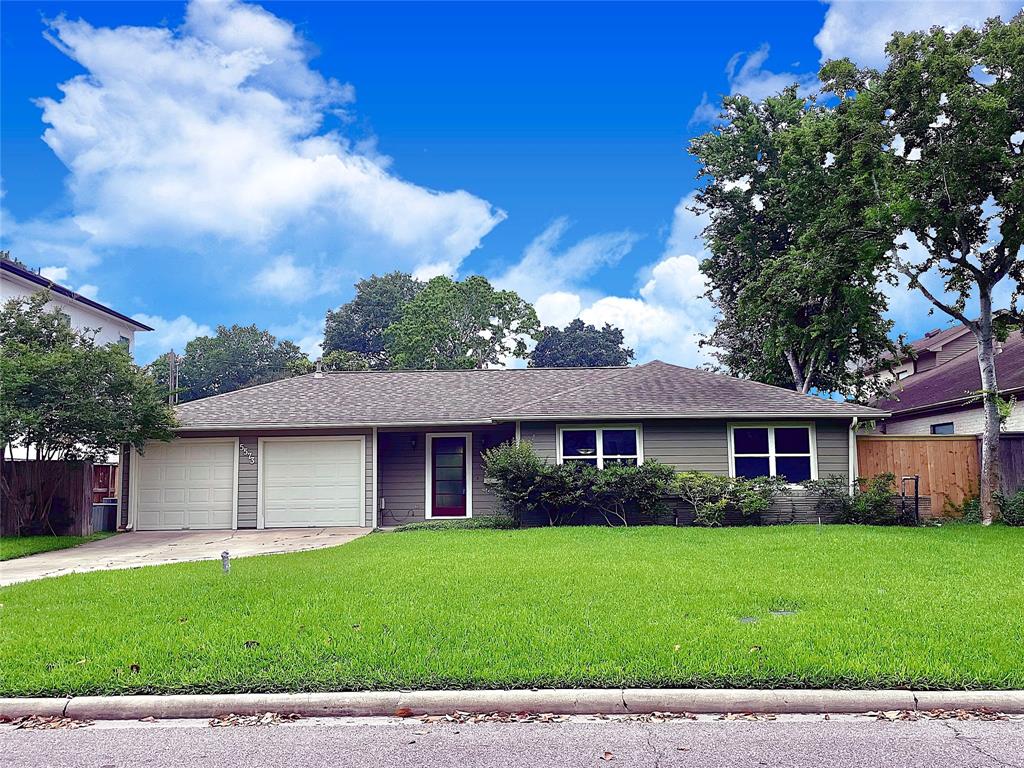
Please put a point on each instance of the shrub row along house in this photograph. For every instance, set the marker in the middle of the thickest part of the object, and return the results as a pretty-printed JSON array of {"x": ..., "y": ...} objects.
[{"x": 384, "y": 448}]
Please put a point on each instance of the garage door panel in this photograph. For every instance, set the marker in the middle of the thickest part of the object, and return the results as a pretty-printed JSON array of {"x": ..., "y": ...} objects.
[
  {"x": 186, "y": 485},
  {"x": 312, "y": 483}
]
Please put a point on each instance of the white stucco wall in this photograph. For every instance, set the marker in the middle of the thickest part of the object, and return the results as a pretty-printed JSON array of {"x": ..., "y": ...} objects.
[
  {"x": 111, "y": 330},
  {"x": 967, "y": 421}
]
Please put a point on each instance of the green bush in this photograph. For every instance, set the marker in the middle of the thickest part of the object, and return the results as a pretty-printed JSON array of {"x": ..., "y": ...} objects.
[
  {"x": 525, "y": 484},
  {"x": 496, "y": 521},
  {"x": 873, "y": 501},
  {"x": 513, "y": 473},
  {"x": 1011, "y": 508},
  {"x": 621, "y": 489},
  {"x": 711, "y": 496}
]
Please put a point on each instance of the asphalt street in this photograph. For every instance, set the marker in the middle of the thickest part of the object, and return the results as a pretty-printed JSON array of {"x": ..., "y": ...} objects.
[{"x": 793, "y": 742}]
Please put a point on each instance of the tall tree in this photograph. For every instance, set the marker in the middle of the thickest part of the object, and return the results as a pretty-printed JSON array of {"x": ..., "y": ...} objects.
[
  {"x": 359, "y": 325},
  {"x": 457, "y": 325},
  {"x": 580, "y": 345},
  {"x": 946, "y": 118},
  {"x": 63, "y": 397},
  {"x": 236, "y": 357},
  {"x": 793, "y": 270}
]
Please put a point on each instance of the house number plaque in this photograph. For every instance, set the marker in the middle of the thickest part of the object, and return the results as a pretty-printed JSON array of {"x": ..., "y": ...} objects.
[{"x": 247, "y": 453}]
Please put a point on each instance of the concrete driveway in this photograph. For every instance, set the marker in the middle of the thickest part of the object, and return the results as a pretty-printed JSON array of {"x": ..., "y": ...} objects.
[{"x": 137, "y": 549}]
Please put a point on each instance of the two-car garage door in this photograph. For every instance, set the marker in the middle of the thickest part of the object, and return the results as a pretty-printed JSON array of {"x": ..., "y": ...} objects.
[{"x": 192, "y": 484}]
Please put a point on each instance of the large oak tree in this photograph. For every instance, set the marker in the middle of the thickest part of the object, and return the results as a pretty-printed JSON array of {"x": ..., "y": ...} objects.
[{"x": 944, "y": 124}]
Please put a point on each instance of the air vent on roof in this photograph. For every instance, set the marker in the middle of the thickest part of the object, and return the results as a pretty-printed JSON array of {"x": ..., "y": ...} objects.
[{"x": 935, "y": 332}]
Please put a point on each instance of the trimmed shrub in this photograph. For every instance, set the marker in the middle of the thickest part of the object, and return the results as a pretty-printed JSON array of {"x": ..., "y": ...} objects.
[
  {"x": 513, "y": 473},
  {"x": 711, "y": 496},
  {"x": 873, "y": 501},
  {"x": 1011, "y": 508},
  {"x": 621, "y": 489}
]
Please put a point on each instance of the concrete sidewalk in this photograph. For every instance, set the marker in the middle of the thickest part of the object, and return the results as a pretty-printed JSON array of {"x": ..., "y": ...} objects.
[
  {"x": 610, "y": 701},
  {"x": 141, "y": 548}
]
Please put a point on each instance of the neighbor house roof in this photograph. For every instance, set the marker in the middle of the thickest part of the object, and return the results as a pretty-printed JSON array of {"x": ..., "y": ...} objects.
[
  {"x": 13, "y": 268},
  {"x": 393, "y": 398},
  {"x": 934, "y": 340},
  {"x": 957, "y": 382}
]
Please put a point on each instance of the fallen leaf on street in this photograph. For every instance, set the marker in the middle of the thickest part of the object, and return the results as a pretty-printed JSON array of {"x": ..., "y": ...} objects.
[
  {"x": 37, "y": 723},
  {"x": 267, "y": 718}
]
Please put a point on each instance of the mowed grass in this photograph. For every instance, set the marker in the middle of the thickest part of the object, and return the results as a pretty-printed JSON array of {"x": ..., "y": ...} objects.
[
  {"x": 12, "y": 547},
  {"x": 658, "y": 607}
]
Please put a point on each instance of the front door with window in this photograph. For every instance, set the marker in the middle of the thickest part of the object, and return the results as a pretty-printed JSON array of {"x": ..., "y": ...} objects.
[{"x": 448, "y": 458}]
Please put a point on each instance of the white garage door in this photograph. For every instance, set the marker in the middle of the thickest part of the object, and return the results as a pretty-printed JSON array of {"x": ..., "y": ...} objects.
[
  {"x": 187, "y": 484},
  {"x": 312, "y": 482}
]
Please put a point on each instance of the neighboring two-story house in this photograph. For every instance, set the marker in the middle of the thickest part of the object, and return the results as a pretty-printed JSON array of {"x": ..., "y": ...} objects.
[
  {"x": 111, "y": 326},
  {"x": 937, "y": 388}
]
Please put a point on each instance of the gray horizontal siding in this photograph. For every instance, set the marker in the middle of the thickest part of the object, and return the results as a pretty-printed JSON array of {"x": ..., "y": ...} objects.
[
  {"x": 702, "y": 445},
  {"x": 248, "y": 482},
  {"x": 402, "y": 482}
]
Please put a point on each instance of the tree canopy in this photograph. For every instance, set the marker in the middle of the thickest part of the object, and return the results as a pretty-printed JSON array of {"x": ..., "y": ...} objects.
[
  {"x": 580, "y": 345},
  {"x": 794, "y": 261},
  {"x": 235, "y": 357},
  {"x": 461, "y": 324},
  {"x": 67, "y": 397},
  {"x": 359, "y": 326},
  {"x": 943, "y": 128}
]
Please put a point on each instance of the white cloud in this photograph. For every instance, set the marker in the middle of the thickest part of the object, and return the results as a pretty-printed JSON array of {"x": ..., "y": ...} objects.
[
  {"x": 667, "y": 316},
  {"x": 56, "y": 274},
  {"x": 747, "y": 75},
  {"x": 166, "y": 335},
  {"x": 860, "y": 30},
  {"x": 307, "y": 333},
  {"x": 558, "y": 308},
  {"x": 289, "y": 282},
  {"x": 545, "y": 268},
  {"x": 214, "y": 135},
  {"x": 90, "y": 291}
]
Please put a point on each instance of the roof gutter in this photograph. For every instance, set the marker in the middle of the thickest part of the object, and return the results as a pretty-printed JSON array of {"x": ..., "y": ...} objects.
[{"x": 509, "y": 420}]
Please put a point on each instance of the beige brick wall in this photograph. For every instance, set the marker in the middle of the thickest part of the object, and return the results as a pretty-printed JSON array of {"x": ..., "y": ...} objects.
[{"x": 968, "y": 421}]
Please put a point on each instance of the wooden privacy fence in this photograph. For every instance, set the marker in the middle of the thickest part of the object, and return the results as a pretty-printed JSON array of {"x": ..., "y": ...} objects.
[
  {"x": 949, "y": 467},
  {"x": 1011, "y": 456},
  {"x": 69, "y": 484}
]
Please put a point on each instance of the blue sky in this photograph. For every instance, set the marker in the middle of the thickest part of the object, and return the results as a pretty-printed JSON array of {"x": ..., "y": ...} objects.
[{"x": 233, "y": 163}]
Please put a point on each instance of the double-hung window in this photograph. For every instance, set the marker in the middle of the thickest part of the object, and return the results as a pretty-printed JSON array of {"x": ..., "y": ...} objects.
[
  {"x": 773, "y": 450},
  {"x": 601, "y": 446}
]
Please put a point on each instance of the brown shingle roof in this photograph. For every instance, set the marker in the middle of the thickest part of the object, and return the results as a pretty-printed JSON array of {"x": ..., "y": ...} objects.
[
  {"x": 653, "y": 390},
  {"x": 956, "y": 381}
]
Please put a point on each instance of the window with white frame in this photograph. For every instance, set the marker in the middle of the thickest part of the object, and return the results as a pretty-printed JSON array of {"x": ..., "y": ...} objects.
[
  {"x": 770, "y": 450},
  {"x": 600, "y": 446}
]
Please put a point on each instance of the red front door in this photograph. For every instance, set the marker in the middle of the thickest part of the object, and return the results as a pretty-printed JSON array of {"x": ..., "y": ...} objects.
[{"x": 448, "y": 476}]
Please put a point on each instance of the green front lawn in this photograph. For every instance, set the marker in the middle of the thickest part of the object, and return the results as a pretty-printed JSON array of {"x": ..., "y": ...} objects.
[
  {"x": 599, "y": 607},
  {"x": 12, "y": 547}
]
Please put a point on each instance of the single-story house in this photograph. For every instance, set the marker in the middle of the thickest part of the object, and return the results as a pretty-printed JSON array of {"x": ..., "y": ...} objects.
[{"x": 382, "y": 448}]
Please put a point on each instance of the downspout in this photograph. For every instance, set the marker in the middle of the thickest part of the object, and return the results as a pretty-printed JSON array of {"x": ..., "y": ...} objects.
[
  {"x": 854, "y": 466},
  {"x": 375, "y": 469},
  {"x": 519, "y": 433}
]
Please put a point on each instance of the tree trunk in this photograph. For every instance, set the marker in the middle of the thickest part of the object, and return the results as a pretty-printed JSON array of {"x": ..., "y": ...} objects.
[
  {"x": 990, "y": 468},
  {"x": 799, "y": 381}
]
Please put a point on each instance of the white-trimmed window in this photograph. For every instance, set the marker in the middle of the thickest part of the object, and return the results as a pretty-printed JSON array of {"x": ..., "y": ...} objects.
[
  {"x": 773, "y": 450},
  {"x": 601, "y": 446}
]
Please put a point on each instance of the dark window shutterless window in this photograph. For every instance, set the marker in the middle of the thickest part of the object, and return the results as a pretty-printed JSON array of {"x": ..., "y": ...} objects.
[
  {"x": 600, "y": 446},
  {"x": 772, "y": 451}
]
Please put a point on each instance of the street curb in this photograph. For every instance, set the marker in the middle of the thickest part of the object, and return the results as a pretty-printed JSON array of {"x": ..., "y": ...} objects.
[{"x": 611, "y": 701}]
